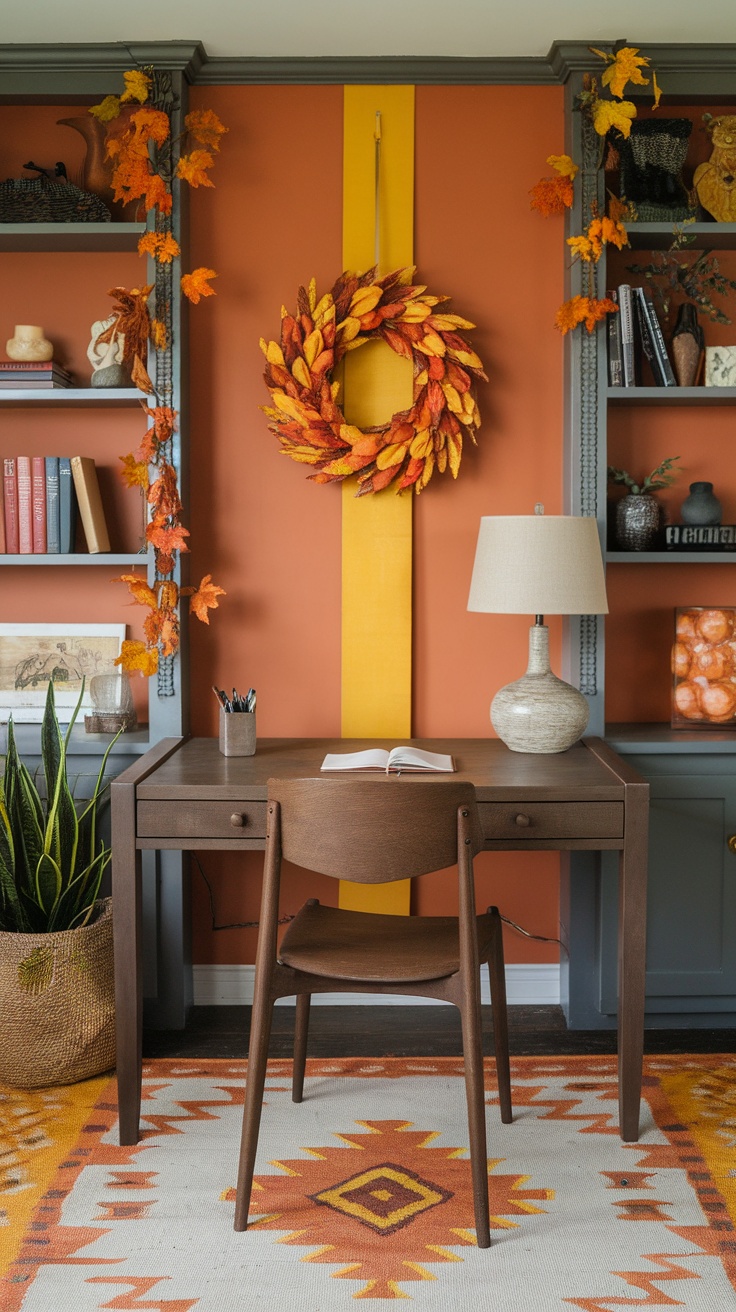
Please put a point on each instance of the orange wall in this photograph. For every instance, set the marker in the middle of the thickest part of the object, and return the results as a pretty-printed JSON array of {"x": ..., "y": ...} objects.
[{"x": 272, "y": 538}]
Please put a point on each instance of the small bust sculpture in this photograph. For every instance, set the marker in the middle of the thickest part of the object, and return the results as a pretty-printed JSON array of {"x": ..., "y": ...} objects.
[
  {"x": 715, "y": 181},
  {"x": 105, "y": 354}
]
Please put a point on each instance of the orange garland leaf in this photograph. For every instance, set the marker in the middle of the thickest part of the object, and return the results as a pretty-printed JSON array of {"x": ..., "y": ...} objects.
[
  {"x": 196, "y": 284},
  {"x": 134, "y": 472},
  {"x": 136, "y": 657},
  {"x": 204, "y": 598}
]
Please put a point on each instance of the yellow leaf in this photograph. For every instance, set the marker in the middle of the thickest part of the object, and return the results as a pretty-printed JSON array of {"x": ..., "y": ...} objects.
[
  {"x": 564, "y": 166},
  {"x": 656, "y": 90},
  {"x": 289, "y": 406},
  {"x": 421, "y": 444},
  {"x": 391, "y": 455},
  {"x": 348, "y": 329},
  {"x": 612, "y": 114},
  {"x": 272, "y": 352},
  {"x": 625, "y": 66},
  {"x": 137, "y": 86},
  {"x": 449, "y": 323},
  {"x": 107, "y": 110},
  {"x": 301, "y": 372},
  {"x": 415, "y": 312},
  {"x": 135, "y": 656},
  {"x": 313, "y": 346},
  {"x": 365, "y": 300}
]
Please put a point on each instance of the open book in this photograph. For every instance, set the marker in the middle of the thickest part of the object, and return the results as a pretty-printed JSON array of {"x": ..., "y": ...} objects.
[{"x": 398, "y": 759}]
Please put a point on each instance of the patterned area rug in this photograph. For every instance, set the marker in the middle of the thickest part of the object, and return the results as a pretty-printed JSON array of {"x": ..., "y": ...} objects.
[{"x": 363, "y": 1192}]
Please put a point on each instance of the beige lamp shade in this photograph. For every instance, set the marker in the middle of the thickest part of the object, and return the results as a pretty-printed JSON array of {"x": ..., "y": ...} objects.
[{"x": 538, "y": 565}]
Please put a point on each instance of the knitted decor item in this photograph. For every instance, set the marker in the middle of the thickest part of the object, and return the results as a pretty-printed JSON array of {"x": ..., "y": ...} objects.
[
  {"x": 42, "y": 200},
  {"x": 57, "y": 1004},
  {"x": 652, "y": 159}
]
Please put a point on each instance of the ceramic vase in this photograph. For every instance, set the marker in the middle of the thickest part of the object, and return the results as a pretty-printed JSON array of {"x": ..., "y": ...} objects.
[
  {"x": 702, "y": 506},
  {"x": 28, "y": 343},
  {"x": 96, "y": 174},
  {"x": 687, "y": 345},
  {"x": 638, "y": 520}
]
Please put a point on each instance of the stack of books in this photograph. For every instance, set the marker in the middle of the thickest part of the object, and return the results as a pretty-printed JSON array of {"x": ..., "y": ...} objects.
[
  {"x": 635, "y": 333},
  {"x": 33, "y": 373},
  {"x": 696, "y": 537},
  {"x": 40, "y": 499}
]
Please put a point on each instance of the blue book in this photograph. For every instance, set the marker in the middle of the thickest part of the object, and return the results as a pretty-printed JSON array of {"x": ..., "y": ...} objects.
[
  {"x": 67, "y": 507},
  {"x": 52, "y": 505}
]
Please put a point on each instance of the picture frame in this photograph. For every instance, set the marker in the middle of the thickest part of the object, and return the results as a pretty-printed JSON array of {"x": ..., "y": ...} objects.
[{"x": 30, "y": 654}]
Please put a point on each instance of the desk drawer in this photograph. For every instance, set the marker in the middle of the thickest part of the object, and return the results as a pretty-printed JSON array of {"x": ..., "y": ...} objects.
[
  {"x": 202, "y": 819},
  {"x": 537, "y": 820}
]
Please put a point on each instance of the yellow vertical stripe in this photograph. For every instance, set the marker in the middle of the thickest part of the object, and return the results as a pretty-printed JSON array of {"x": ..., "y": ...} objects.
[{"x": 377, "y": 529}]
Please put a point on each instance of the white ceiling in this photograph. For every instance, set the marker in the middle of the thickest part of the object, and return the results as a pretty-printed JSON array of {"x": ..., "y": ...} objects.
[{"x": 259, "y": 28}]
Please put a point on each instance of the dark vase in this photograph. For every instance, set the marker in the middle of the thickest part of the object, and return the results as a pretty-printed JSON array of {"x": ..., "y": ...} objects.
[
  {"x": 702, "y": 506},
  {"x": 638, "y": 520},
  {"x": 687, "y": 345}
]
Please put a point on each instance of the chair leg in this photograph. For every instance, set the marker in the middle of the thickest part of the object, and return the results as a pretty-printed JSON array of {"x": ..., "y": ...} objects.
[
  {"x": 475, "y": 1095},
  {"x": 255, "y": 1080},
  {"x": 301, "y": 1029},
  {"x": 497, "y": 981}
]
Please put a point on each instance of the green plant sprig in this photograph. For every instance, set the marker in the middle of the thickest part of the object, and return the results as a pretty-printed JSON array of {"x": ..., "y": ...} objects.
[
  {"x": 51, "y": 857},
  {"x": 663, "y": 476},
  {"x": 675, "y": 280}
]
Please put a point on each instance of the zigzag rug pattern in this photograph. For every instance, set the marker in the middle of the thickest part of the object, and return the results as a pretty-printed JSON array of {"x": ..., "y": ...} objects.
[{"x": 363, "y": 1191}]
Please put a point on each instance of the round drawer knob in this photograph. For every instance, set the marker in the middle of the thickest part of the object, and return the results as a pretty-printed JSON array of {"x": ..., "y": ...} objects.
[
  {"x": 523, "y": 821},
  {"x": 238, "y": 820},
  {"x": 732, "y": 842}
]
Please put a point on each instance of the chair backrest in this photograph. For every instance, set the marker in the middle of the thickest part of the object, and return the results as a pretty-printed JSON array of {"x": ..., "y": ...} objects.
[{"x": 374, "y": 831}]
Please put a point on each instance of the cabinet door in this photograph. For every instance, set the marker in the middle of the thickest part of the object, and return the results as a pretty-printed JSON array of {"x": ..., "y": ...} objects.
[{"x": 691, "y": 929}]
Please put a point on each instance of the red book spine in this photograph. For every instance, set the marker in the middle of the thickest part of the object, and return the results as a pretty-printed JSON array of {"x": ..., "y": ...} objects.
[
  {"x": 10, "y": 502},
  {"x": 25, "y": 519},
  {"x": 38, "y": 496}
]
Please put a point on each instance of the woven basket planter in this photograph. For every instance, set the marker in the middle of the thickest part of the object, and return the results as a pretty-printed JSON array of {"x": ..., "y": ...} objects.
[{"x": 57, "y": 1004}]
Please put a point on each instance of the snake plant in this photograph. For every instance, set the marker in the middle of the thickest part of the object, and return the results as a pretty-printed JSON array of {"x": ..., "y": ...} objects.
[{"x": 52, "y": 857}]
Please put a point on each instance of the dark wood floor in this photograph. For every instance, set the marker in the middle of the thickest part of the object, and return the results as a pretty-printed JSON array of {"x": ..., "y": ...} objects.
[{"x": 410, "y": 1031}]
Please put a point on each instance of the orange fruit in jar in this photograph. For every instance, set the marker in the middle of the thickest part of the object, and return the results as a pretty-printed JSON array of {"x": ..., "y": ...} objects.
[
  {"x": 680, "y": 660},
  {"x": 715, "y": 625},
  {"x": 687, "y": 701},
  {"x": 685, "y": 626},
  {"x": 718, "y": 700},
  {"x": 713, "y": 662}
]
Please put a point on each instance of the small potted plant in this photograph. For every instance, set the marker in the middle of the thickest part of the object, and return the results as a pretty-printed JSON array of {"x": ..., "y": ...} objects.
[
  {"x": 57, "y": 1015},
  {"x": 639, "y": 514}
]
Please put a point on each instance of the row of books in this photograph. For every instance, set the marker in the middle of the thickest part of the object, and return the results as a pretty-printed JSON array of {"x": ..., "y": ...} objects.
[
  {"x": 635, "y": 332},
  {"x": 27, "y": 373},
  {"x": 700, "y": 537},
  {"x": 40, "y": 501}
]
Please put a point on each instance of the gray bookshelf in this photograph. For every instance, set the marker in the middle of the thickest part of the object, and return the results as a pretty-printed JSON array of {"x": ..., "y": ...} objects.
[
  {"x": 691, "y": 937},
  {"x": 83, "y": 76}
]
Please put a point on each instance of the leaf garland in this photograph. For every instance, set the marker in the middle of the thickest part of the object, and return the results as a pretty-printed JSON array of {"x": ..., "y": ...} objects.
[
  {"x": 306, "y": 416},
  {"x": 146, "y": 160},
  {"x": 607, "y": 114}
]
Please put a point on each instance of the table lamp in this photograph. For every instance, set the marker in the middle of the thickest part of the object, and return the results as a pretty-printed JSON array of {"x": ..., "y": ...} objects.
[{"x": 538, "y": 565}]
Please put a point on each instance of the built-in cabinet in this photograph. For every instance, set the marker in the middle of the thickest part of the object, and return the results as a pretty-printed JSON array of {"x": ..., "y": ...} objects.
[
  {"x": 57, "y": 78},
  {"x": 691, "y": 936}
]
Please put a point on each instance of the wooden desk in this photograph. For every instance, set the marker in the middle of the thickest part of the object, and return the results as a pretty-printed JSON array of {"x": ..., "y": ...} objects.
[{"x": 184, "y": 794}]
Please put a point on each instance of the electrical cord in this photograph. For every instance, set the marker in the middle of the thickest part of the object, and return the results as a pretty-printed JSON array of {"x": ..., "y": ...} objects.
[{"x": 284, "y": 920}]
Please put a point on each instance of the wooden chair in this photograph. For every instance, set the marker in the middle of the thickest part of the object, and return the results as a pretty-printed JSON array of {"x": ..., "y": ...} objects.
[{"x": 375, "y": 832}]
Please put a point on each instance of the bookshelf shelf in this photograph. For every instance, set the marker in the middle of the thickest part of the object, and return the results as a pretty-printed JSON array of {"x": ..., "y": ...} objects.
[
  {"x": 99, "y": 397},
  {"x": 671, "y": 395},
  {"x": 70, "y": 236},
  {"x": 659, "y": 236},
  {"x": 671, "y": 557},
  {"x": 108, "y": 558}
]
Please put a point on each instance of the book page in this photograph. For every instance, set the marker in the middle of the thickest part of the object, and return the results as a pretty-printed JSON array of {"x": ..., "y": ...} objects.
[
  {"x": 414, "y": 758},
  {"x": 374, "y": 758}
]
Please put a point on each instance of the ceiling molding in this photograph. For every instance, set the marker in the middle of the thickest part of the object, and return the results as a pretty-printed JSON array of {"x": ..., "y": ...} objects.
[
  {"x": 50, "y": 70},
  {"x": 370, "y": 70}
]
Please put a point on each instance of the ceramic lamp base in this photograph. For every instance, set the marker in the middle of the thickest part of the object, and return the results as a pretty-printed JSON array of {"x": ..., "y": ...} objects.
[{"x": 539, "y": 712}]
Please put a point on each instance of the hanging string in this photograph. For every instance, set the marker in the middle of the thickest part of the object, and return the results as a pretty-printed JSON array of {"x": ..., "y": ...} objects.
[{"x": 377, "y": 220}]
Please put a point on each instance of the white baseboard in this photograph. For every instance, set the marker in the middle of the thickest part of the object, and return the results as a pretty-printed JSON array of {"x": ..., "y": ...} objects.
[{"x": 222, "y": 986}]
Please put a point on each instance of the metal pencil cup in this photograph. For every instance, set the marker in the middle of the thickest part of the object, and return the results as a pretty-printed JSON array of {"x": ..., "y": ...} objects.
[{"x": 237, "y": 733}]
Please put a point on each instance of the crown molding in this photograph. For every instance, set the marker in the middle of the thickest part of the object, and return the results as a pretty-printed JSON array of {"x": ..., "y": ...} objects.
[
  {"x": 376, "y": 69},
  {"x": 38, "y": 70}
]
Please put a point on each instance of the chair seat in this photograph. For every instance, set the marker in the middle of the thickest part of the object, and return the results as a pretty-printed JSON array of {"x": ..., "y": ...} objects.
[{"x": 358, "y": 945}]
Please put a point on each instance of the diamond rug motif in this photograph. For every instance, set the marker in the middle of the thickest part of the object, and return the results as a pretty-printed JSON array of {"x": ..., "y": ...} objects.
[{"x": 363, "y": 1191}]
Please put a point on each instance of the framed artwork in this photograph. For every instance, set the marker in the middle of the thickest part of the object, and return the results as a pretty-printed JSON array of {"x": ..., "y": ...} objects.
[{"x": 31, "y": 654}]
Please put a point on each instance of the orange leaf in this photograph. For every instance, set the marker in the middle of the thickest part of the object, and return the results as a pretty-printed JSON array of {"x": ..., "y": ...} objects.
[
  {"x": 138, "y": 588},
  {"x": 163, "y": 494},
  {"x": 205, "y": 127},
  {"x": 134, "y": 472},
  {"x": 193, "y": 168},
  {"x": 205, "y": 598},
  {"x": 140, "y": 377},
  {"x": 168, "y": 537},
  {"x": 196, "y": 284},
  {"x": 135, "y": 656}
]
